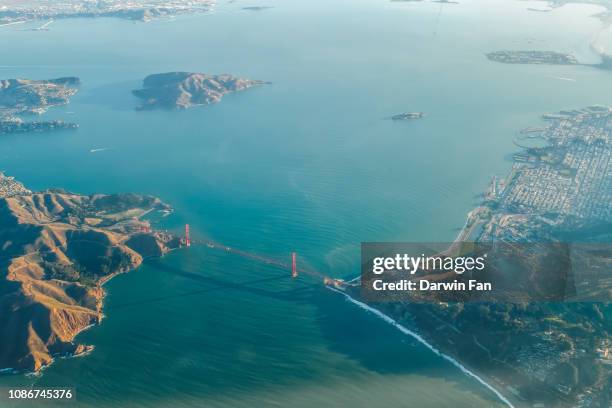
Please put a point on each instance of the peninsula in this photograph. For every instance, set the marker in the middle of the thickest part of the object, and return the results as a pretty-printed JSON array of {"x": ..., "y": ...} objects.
[
  {"x": 17, "y": 125},
  {"x": 182, "y": 90},
  {"x": 554, "y": 206},
  {"x": 19, "y": 97},
  {"x": 58, "y": 249}
]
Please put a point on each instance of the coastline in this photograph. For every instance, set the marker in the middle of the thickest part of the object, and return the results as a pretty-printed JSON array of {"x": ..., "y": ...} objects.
[
  {"x": 431, "y": 347},
  {"x": 66, "y": 320},
  {"x": 88, "y": 349}
]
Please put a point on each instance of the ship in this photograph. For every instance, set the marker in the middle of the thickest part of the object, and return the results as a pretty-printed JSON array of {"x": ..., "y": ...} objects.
[{"x": 408, "y": 115}]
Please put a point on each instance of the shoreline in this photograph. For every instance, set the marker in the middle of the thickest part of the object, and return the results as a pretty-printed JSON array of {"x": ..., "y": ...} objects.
[
  {"x": 88, "y": 349},
  {"x": 424, "y": 342}
]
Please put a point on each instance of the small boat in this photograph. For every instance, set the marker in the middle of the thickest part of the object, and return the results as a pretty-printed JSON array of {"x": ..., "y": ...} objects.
[{"x": 408, "y": 115}]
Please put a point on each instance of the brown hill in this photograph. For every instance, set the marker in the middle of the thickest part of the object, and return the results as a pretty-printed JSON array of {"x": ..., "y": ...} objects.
[
  {"x": 182, "y": 90},
  {"x": 36, "y": 96},
  {"x": 56, "y": 251}
]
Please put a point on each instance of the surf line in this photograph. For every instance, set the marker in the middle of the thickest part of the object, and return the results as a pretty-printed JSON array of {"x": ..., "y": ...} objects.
[{"x": 421, "y": 340}]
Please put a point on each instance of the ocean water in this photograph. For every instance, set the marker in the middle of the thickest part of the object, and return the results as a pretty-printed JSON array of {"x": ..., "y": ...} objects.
[{"x": 306, "y": 164}]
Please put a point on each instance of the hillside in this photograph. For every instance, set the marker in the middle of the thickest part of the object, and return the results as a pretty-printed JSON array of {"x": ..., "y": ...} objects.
[
  {"x": 56, "y": 251},
  {"x": 36, "y": 96},
  {"x": 182, "y": 90}
]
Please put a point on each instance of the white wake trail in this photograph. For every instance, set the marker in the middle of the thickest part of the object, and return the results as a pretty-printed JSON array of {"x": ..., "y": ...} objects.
[{"x": 101, "y": 149}]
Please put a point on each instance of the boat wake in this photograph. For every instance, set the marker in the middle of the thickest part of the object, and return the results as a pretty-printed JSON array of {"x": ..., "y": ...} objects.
[
  {"x": 421, "y": 340},
  {"x": 565, "y": 79},
  {"x": 101, "y": 149}
]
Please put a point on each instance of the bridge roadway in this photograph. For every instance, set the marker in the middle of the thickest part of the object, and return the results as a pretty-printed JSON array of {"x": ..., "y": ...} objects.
[{"x": 259, "y": 258}]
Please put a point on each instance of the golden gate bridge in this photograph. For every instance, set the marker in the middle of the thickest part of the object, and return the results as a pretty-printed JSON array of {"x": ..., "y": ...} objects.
[{"x": 186, "y": 241}]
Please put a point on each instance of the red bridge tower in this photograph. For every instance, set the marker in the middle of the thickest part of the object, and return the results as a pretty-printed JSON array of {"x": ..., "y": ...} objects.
[
  {"x": 187, "y": 239},
  {"x": 294, "y": 272}
]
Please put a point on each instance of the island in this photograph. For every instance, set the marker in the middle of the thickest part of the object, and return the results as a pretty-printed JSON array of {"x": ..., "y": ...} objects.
[
  {"x": 257, "y": 8},
  {"x": 19, "y": 11},
  {"x": 19, "y": 97},
  {"x": 554, "y": 208},
  {"x": 532, "y": 57},
  {"x": 546, "y": 58},
  {"x": 182, "y": 90},
  {"x": 58, "y": 249}
]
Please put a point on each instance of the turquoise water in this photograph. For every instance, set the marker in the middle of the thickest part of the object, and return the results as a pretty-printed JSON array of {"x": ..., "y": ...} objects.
[{"x": 307, "y": 164}]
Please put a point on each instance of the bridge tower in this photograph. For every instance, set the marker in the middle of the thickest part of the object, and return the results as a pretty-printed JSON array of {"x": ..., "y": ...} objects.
[
  {"x": 187, "y": 239},
  {"x": 294, "y": 272}
]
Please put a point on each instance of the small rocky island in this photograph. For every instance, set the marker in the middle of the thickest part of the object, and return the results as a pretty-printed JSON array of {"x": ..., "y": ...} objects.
[
  {"x": 182, "y": 90},
  {"x": 27, "y": 97},
  {"x": 257, "y": 8},
  {"x": 58, "y": 249}
]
